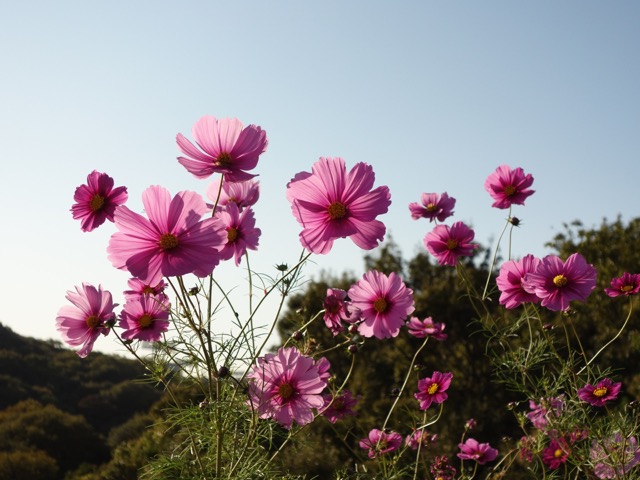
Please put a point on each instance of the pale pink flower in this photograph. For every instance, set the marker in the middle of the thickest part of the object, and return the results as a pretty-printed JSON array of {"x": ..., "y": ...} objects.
[
  {"x": 426, "y": 328},
  {"x": 448, "y": 243},
  {"x": 380, "y": 442},
  {"x": 243, "y": 194},
  {"x": 482, "y": 453},
  {"x": 339, "y": 406},
  {"x": 508, "y": 187},
  {"x": 419, "y": 438},
  {"x": 242, "y": 234},
  {"x": 511, "y": 281},
  {"x": 97, "y": 200},
  {"x": 144, "y": 318},
  {"x": 540, "y": 414},
  {"x": 137, "y": 288},
  {"x": 628, "y": 284},
  {"x": 433, "y": 389},
  {"x": 614, "y": 456},
  {"x": 434, "y": 207}
]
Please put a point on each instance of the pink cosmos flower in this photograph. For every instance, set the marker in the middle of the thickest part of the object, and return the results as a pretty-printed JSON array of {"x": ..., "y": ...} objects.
[
  {"x": 426, "y": 328},
  {"x": 335, "y": 309},
  {"x": 91, "y": 315},
  {"x": 508, "y": 187},
  {"x": 448, "y": 243},
  {"x": 287, "y": 386},
  {"x": 556, "y": 453},
  {"x": 144, "y": 318},
  {"x": 97, "y": 200},
  {"x": 480, "y": 452},
  {"x": 138, "y": 288},
  {"x": 225, "y": 146},
  {"x": 330, "y": 203},
  {"x": 614, "y": 456},
  {"x": 385, "y": 303},
  {"x": 173, "y": 241},
  {"x": 432, "y": 389},
  {"x": 242, "y": 233},
  {"x": 419, "y": 438},
  {"x": 434, "y": 207},
  {"x": 557, "y": 283},
  {"x": 546, "y": 409},
  {"x": 627, "y": 284},
  {"x": 380, "y": 442},
  {"x": 243, "y": 194},
  {"x": 510, "y": 282},
  {"x": 604, "y": 391},
  {"x": 338, "y": 407}
]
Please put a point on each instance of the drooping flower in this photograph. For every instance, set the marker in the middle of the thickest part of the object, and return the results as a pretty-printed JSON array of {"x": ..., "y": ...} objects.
[
  {"x": 380, "y": 442},
  {"x": 225, "y": 146},
  {"x": 448, "y": 243},
  {"x": 330, "y": 203},
  {"x": 434, "y": 207},
  {"x": 97, "y": 200},
  {"x": 547, "y": 408},
  {"x": 242, "y": 234},
  {"x": 91, "y": 315},
  {"x": 600, "y": 393},
  {"x": 508, "y": 186},
  {"x": 557, "y": 283},
  {"x": 243, "y": 194},
  {"x": 337, "y": 309},
  {"x": 144, "y": 318},
  {"x": 433, "y": 389},
  {"x": 419, "y": 438},
  {"x": 556, "y": 453},
  {"x": 286, "y": 386},
  {"x": 426, "y": 328},
  {"x": 138, "y": 288},
  {"x": 384, "y": 302},
  {"x": 614, "y": 456},
  {"x": 627, "y": 284},
  {"x": 479, "y": 452},
  {"x": 339, "y": 406},
  {"x": 511, "y": 282},
  {"x": 173, "y": 241}
]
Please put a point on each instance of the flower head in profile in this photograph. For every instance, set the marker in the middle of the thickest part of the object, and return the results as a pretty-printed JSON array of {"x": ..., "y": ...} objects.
[
  {"x": 556, "y": 453},
  {"x": 434, "y": 207},
  {"x": 243, "y": 194},
  {"x": 330, "y": 203},
  {"x": 138, "y": 288},
  {"x": 242, "y": 234},
  {"x": 557, "y": 283},
  {"x": 482, "y": 453},
  {"x": 614, "y": 456},
  {"x": 339, "y": 406},
  {"x": 511, "y": 282},
  {"x": 628, "y": 284},
  {"x": 433, "y": 389},
  {"x": 380, "y": 442},
  {"x": 508, "y": 186},
  {"x": 223, "y": 146},
  {"x": 384, "y": 302},
  {"x": 337, "y": 309},
  {"x": 91, "y": 315},
  {"x": 287, "y": 386},
  {"x": 97, "y": 200},
  {"x": 419, "y": 438},
  {"x": 602, "y": 392},
  {"x": 173, "y": 241},
  {"x": 547, "y": 409},
  {"x": 448, "y": 243},
  {"x": 426, "y": 328},
  {"x": 144, "y": 318}
]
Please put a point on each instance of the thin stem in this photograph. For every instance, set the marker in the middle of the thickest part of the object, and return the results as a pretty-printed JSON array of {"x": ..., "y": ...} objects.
[{"x": 495, "y": 257}]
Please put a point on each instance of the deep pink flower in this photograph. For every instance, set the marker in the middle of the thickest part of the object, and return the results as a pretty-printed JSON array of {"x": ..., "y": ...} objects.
[
  {"x": 380, "y": 442},
  {"x": 614, "y": 456},
  {"x": 448, "y": 243},
  {"x": 286, "y": 386},
  {"x": 556, "y": 453},
  {"x": 91, "y": 315},
  {"x": 419, "y": 438},
  {"x": 432, "y": 389},
  {"x": 340, "y": 406},
  {"x": 385, "y": 303},
  {"x": 137, "y": 288},
  {"x": 97, "y": 200},
  {"x": 508, "y": 187},
  {"x": 426, "y": 328},
  {"x": 173, "y": 241},
  {"x": 604, "y": 391},
  {"x": 480, "y": 452},
  {"x": 226, "y": 147},
  {"x": 627, "y": 284},
  {"x": 330, "y": 203},
  {"x": 243, "y": 194},
  {"x": 546, "y": 409},
  {"x": 510, "y": 282},
  {"x": 242, "y": 233},
  {"x": 144, "y": 318},
  {"x": 557, "y": 283},
  {"x": 433, "y": 207},
  {"x": 337, "y": 309}
]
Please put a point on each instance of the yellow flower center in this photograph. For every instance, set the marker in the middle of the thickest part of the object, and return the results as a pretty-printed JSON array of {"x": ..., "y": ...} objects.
[
  {"x": 509, "y": 190},
  {"x": 626, "y": 288},
  {"x": 168, "y": 241},
  {"x": 451, "y": 244},
  {"x": 232, "y": 234},
  {"x": 380, "y": 305},
  {"x": 92, "y": 321},
  {"x": 224, "y": 160},
  {"x": 433, "y": 388},
  {"x": 558, "y": 453},
  {"x": 145, "y": 320},
  {"x": 432, "y": 207},
  {"x": 560, "y": 281},
  {"x": 600, "y": 392},
  {"x": 286, "y": 391},
  {"x": 96, "y": 203},
  {"x": 337, "y": 211}
]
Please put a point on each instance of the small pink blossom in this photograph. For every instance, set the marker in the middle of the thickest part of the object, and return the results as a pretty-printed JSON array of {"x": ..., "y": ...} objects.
[
  {"x": 479, "y": 452},
  {"x": 599, "y": 394},
  {"x": 144, "y": 318},
  {"x": 339, "y": 406},
  {"x": 243, "y": 194},
  {"x": 97, "y": 201},
  {"x": 508, "y": 187},
  {"x": 511, "y": 282},
  {"x": 419, "y": 438},
  {"x": 556, "y": 453},
  {"x": 380, "y": 442},
  {"x": 138, "y": 288},
  {"x": 545, "y": 410},
  {"x": 426, "y": 328},
  {"x": 242, "y": 234},
  {"x": 627, "y": 284},
  {"x": 434, "y": 207},
  {"x": 433, "y": 389},
  {"x": 337, "y": 309},
  {"x": 448, "y": 243}
]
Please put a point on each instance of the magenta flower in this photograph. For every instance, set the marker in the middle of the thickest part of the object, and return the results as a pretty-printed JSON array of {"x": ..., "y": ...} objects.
[
  {"x": 510, "y": 282},
  {"x": 479, "y": 452},
  {"x": 546, "y": 409},
  {"x": 627, "y": 284},
  {"x": 556, "y": 453},
  {"x": 286, "y": 386},
  {"x": 337, "y": 310},
  {"x": 419, "y": 438},
  {"x": 225, "y": 146},
  {"x": 380, "y": 442},
  {"x": 91, "y": 315},
  {"x": 97, "y": 200},
  {"x": 432, "y": 389},
  {"x": 557, "y": 283},
  {"x": 338, "y": 407},
  {"x": 508, "y": 187},
  {"x": 448, "y": 243},
  {"x": 173, "y": 241},
  {"x": 604, "y": 391},
  {"x": 330, "y": 203},
  {"x": 243, "y": 194},
  {"x": 385, "y": 303},
  {"x": 138, "y": 288},
  {"x": 614, "y": 456},
  {"x": 144, "y": 318},
  {"x": 434, "y": 207},
  {"x": 426, "y": 328},
  {"x": 242, "y": 233}
]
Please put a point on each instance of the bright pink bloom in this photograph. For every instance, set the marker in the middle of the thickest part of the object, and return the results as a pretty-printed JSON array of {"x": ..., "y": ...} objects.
[
  {"x": 227, "y": 147},
  {"x": 138, "y": 288},
  {"x": 614, "y": 456},
  {"x": 627, "y": 284},
  {"x": 338, "y": 407},
  {"x": 380, "y": 442},
  {"x": 385, "y": 303},
  {"x": 286, "y": 386},
  {"x": 604, "y": 391},
  {"x": 480, "y": 452},
  {"x": 243, "y": 194},
  {"x": 557, "y": 283},
  {"x": 510, "y": 282},
  {"x": 91, "y": 315},
  {"x": 508, "y": 187},
  {"x": 448, "y": 243},
  {"x": 242, "y": 233},
  {"x": 145, "y": 318},
  {"x": 548, "y": 408},
  {"x": 556, "y": 453},
  {"x": 426, "y": 328},
  {"x": 173, "y": 241},
  {"x": 432, "y": 389},
  {"x": 330, "y": 203},
  {"x": 434, "y": 207},
  {"x": 97, "y": 200}
]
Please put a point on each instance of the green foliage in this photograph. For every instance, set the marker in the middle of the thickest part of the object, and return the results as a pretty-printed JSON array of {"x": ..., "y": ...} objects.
[{"x": 27, "y": 465}]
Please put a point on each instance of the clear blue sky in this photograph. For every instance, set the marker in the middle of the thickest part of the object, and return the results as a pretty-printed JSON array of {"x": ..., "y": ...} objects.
[{"x": 435, "y": 95}]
